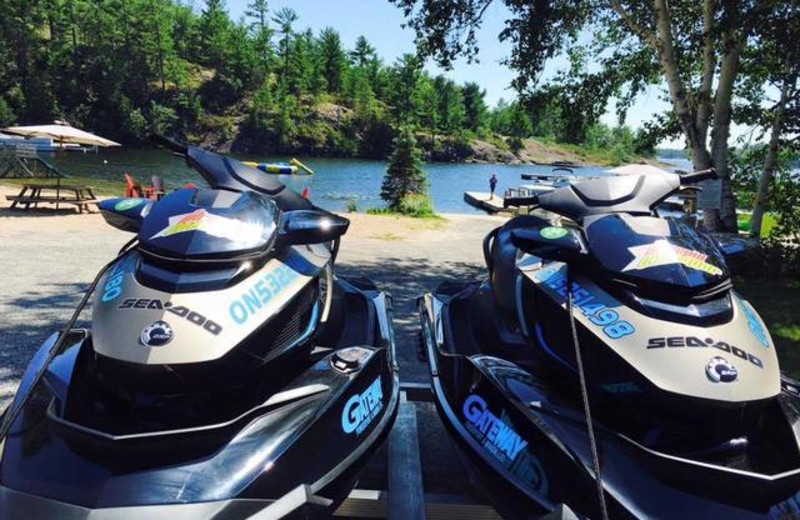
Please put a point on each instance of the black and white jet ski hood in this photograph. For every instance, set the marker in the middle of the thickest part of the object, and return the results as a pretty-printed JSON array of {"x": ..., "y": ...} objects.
[{"x": 195, "y": 223}]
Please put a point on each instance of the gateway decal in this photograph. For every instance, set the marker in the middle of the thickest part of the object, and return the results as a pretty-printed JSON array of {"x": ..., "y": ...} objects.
[
  {"x": 495, "y": 435},
  {"x": 500, "y": 439},
  {"x": 361, "y": 409},
  {"x": 662, "y": 252}
]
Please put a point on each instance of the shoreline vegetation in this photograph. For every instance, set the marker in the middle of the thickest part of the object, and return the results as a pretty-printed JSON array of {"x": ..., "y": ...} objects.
[{"x": 264, "y": 85}]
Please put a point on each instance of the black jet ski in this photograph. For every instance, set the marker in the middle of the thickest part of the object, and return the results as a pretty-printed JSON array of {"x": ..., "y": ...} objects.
[
  {"x": 606, "y": 366},
  {"x": 227, "y": 373}
]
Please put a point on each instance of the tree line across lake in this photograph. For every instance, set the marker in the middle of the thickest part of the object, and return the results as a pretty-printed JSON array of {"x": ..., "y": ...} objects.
[{"x": 127, "y": 68}]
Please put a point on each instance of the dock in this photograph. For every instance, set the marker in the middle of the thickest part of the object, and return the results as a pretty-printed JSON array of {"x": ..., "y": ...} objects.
[{"x": 483, "y": 200}]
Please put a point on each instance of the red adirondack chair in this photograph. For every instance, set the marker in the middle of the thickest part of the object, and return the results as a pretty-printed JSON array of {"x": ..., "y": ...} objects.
[{"x": 134, "y": 189}]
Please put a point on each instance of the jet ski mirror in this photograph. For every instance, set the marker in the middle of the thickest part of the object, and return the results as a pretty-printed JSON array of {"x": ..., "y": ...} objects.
[
  {"x": 125, "y": 213},
  {"x": 311, "y": 227},
  {"x": 551, "y": 243}
]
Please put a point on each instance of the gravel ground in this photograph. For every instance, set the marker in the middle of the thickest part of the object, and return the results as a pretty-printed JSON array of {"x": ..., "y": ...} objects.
[{"x": 47, "y": 260}]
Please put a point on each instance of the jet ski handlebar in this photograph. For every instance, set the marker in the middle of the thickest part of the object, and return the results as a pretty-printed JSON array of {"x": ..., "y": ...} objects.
[
  {"x": 702, "y": 175},
  {"x": 172, "y": 144}
]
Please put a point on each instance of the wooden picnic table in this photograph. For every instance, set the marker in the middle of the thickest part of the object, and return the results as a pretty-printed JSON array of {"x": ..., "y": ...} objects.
[{"x": 31, "y": 195}]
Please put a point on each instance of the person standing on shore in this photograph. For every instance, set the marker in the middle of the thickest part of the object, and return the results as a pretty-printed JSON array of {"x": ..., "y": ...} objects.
[{"x": 492, "y": 185}]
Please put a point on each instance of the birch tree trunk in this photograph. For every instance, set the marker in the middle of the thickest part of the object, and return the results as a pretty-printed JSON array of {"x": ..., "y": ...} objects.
[
  {"x": 770, "y": 160},
  {"x": 725, "y": 218},
  {"x": 677, "y": 92}
]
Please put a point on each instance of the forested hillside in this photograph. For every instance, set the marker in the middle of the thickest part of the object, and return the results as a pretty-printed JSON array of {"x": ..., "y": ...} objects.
[{"x": 127, "y": 68}]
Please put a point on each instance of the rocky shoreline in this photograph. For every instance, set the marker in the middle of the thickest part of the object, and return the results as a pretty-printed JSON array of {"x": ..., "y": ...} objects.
[{"x": 333, "y": 132}]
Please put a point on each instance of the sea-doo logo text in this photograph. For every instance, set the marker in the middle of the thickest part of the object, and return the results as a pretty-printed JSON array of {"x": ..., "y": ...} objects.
[
  {"x": 361, "y": 409},
  {"x": 719, "y": 370},
  {"x": 178, "y": 310},
  {"x": 662, "y": 252},
  {"x": 692, "y": 341},
  {"x": 497, "y": 436},
  {"x": 156, "y": 334}
]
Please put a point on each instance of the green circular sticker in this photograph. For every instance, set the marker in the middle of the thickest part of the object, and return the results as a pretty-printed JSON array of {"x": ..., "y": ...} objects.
[
  {"x": 127, "y": 204},
  {"x": 552, "y": 232}
]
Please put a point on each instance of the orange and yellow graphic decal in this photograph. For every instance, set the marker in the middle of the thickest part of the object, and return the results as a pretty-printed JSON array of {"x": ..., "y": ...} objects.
[{"x": 662, "y": 252}]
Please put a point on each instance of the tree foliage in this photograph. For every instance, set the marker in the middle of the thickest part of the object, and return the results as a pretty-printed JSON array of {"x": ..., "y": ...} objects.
[
  {"x": 126, "y": 68},
  {"x": 404, "y": 177},
  {"x": 693, "y": 48}
]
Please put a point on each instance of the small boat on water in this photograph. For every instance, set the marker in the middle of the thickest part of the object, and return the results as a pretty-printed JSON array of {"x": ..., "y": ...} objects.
[{"x": 562, "y": 164}]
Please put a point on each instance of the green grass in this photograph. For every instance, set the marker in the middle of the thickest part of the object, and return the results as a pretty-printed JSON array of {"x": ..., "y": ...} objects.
[
  {"x": 393, "y": 213},
  {"x": 767, "y": 223},
  {"x": 99, "y": 186},
  {"x": 416, "y": 205},
  {"x": 777, "y": 302}
]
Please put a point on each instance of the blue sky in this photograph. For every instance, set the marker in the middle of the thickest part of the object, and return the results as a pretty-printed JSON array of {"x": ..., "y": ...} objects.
[{"x": 380, "y": 22}]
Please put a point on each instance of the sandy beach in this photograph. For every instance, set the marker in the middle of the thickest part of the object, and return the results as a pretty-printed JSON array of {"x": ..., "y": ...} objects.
[{"x": 48, "y": 258}]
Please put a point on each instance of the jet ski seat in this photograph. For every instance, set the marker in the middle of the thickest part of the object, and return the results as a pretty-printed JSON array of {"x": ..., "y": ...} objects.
[{"x": 501, "y": 258}]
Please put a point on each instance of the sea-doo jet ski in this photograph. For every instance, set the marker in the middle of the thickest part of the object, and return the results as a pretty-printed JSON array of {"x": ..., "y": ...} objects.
[
  {"x": 227, "y": 373},
  {"x": 608, "y": 366}
]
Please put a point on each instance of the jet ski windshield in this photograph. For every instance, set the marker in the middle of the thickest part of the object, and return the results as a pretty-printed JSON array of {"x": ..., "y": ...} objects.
[
  {"x": 649, "y": 252},
  {"x": 212, "y": 224}
]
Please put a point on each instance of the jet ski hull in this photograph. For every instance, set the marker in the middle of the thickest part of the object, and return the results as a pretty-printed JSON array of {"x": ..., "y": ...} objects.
[
  {"x": 298, "y": 450},
  {"x": 525, "y": 444}
]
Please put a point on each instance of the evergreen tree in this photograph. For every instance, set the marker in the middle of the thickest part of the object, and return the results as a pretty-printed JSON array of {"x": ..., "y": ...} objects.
[
  {"x": 520, "y": 126},
  {"x": 475, "y": 110},
  {"x": 364, "y": 102},
  {"x": 404, "y": 99},
  {"x": 214, "y": 30},
  {"x": 363, "y": 54},
  {"x": 258, "y": 11},
  {"x": 285, "y": 18},
  {"x": 332, "y": 59},
  {"x": 451, "y": 105},
  {"x": 405, "y": 176},
  {"x": 428, "y": 101}
]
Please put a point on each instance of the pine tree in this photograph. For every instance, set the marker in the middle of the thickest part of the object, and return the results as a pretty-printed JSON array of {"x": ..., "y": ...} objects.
[
  {"x": 363, "y": 53},
  {"x": 258, "y": 10},
  {"x": 406, "y": 74},
  {"x": 214, "y": 31},
  {"x": 451, "y": 105},
  {"x": 475, "y": 111},
  {"x": 332, "y": 59},
  {"x": 285, "y": 18},
  {"x": 405, "y": 176},
  {"x": 520, "y": 126}
]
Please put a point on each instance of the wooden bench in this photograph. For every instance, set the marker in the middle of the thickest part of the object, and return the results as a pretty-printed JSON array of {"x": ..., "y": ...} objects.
[
  {"x": 82, "y": 199},
  {"x": 27, "y": 201}
]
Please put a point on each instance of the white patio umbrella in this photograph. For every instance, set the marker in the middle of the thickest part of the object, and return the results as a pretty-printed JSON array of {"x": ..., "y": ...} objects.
[{"x": 62, "y": 133}]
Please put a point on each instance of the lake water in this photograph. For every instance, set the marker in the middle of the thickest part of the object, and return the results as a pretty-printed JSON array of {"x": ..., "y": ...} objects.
[{"x": 336, "y": 182}]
